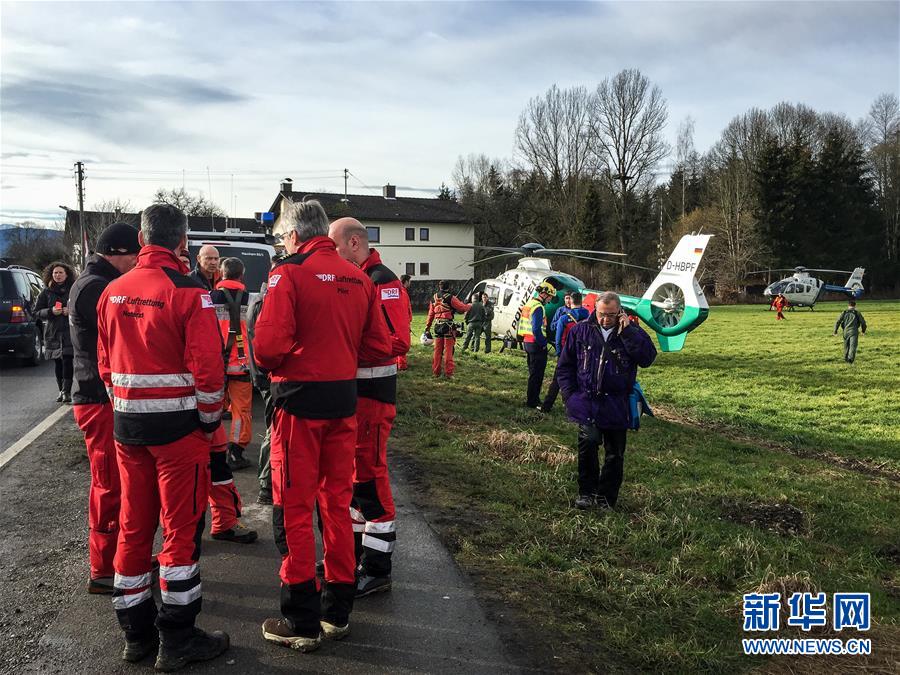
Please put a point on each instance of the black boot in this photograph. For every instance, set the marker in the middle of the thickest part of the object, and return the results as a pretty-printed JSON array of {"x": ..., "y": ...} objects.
[
  {"x": 181, "y": 647},
  {"x": 59, "y": 399},
  {"x": 140, "y": 648},
  {"x": 235, "y": 457},
  {"x": 67, "y": 391}
]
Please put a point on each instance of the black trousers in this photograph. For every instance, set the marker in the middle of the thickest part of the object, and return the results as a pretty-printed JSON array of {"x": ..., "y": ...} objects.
[
  {"x": 592, "y": 480},
  {"x": 552, "y": 393},
  {"x": 63, "y": 367},
  {"x": 537, "y": 364}
]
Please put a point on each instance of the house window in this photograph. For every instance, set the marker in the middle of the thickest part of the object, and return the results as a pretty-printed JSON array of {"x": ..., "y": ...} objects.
[
  {"x": 423, "y": 234},
  {"x": 411, "y": 269},
  {"x": 410, "y": 234},
  {"x": 423, "y": 269},
  {"x": 374, "y": 234}
]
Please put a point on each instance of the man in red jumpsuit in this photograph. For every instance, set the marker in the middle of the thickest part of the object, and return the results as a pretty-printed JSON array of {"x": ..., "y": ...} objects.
[
  {"x": 440, "y": 314},
  {"x": 115, "y": 254},
  {"x": 159, "y": 356},
  {"x": 321, "y": 318},
  {"x": 376, "y": 384}
]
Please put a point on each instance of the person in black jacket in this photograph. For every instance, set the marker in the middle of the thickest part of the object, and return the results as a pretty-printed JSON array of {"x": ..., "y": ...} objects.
[
  {"x": 53, "y": 309},
  {"x": 116, "y": 253}
]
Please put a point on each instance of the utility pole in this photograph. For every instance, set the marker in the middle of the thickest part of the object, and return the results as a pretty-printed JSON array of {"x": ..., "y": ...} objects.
[
  {"x": 346, "y": 174},
  {"x": 79, "y": 177}
]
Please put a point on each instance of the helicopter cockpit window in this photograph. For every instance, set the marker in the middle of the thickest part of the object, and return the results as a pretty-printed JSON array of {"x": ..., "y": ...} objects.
[
  {"x": 793, "y": 288},
  {"x": 507, "y": 296},
  {"x": 778, "y": 287}
]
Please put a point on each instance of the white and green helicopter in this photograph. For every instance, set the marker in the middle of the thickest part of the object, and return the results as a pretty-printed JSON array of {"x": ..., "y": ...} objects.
[{"x": 672, "y": 306}]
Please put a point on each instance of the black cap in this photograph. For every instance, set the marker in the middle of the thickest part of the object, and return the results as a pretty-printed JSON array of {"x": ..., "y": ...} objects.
[{"x": 118, "y": 239}]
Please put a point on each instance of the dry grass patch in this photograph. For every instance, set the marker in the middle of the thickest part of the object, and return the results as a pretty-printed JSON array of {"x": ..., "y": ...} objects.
[{"x": 521, "y": 447}]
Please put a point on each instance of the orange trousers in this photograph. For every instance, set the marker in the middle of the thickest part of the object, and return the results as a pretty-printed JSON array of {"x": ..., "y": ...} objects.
[
  {"x": 239, "y": 400},
  {"x": 443, "y": 353},
  {"x": 224, "y": 500}
]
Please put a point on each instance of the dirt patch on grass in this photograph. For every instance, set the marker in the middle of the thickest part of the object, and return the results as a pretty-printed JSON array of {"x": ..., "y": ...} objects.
[
  {"x": 862, "y": 466},
  {"x": 782, "y": 518},
  {"x": 521, "y": 447}
]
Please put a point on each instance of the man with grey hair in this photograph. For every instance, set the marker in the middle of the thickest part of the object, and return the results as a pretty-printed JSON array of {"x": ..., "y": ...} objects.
[
  {"x": 596, "y": 374},
  {"x": 320, "y": 319},
  {"x": 159, "y": 356}
]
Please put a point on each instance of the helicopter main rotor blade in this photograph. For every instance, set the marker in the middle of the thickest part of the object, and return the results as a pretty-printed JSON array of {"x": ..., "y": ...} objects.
[
  {"x": 792, "y": 269},
  {"x": 613, "y": 262},
  {"x": 580, "y": 250},
  {"x": 493, "y": 257},
  {"x": 810, "y": 269}
]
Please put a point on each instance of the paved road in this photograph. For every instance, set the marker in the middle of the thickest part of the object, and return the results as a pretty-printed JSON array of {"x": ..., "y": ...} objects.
[
  {"x": 27, "y": 396},
  {"x": 431, "y": 622}
]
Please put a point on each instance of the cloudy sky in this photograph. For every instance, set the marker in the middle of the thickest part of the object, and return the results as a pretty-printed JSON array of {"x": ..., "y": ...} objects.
[{"x": 151, "y": 95}]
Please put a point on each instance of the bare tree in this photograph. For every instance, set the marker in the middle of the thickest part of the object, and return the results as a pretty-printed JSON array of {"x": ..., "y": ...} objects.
[
  {"x": 684, "y": 151},
  {"x": 884, "y": 155},
  {"x": 106, "y": 213},
  {"x": 553, "y": 137},
  {"x": 192, "y": 205},
  {"x": 627, "y": 122}
]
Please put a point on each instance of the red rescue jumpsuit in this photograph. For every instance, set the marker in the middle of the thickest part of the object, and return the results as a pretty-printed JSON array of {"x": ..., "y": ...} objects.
[
  {"x": 94, "y": 416},
  {"x": 376, "y": 383},
  {"x": 321, "y": 317},
  {"x": 159, "y": 355},
  {"x": 440, "y": 313}
]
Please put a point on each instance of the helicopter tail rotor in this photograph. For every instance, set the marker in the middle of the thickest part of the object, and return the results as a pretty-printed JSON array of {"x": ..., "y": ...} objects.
[{"x": 674, "y": 303}]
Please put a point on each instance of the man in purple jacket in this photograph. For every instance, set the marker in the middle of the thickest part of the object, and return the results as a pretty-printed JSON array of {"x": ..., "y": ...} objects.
[{"x": 596, "y": 373}]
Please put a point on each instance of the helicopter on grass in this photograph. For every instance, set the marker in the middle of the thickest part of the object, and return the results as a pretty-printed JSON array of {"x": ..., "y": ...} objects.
[
  {"x": 804, "y": 290},
  {"x": 672, "y": 306}
]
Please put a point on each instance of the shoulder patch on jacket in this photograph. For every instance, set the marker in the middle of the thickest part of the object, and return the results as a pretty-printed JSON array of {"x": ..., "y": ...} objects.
[
  {"x": 381, "y": 274},
  {"x": 180, "y": 280},
  {"x": 390, "y": 293},
  {"x": 206, "y": 301}
]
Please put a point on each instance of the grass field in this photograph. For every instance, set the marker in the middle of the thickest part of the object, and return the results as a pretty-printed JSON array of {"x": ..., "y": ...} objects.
[{"x": 774, "y": 468}]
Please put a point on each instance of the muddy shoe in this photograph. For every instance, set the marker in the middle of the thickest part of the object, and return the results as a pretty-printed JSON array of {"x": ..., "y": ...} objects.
[
  {"x": 368, "y": 585},
  {"x": 101, "y": 586},
  {"x": 138, "y": 650},
  {"x": 264, "y": 497},
  {"x": 279, "y": 632},
  {"x": 177, "y": 649},
  {"x": 332, "y": 632},
  {"x": 235, "y": 457},
  {"x": 239, "y": 534}
]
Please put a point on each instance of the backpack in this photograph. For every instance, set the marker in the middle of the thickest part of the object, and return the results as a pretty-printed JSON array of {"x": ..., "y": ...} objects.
[{"x": 637, "y": 406}]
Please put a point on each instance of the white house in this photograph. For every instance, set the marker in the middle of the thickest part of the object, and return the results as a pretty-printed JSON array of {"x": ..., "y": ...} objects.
[{"x": 429, "y": 239}]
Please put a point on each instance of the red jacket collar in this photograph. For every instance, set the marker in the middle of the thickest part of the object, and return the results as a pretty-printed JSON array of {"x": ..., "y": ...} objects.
[
  {"x": 231, "y": 285},
  {"x": 317, "y": 244},
  {"x": 159, "y": 256},
  {"x": 373, "y": 259}
]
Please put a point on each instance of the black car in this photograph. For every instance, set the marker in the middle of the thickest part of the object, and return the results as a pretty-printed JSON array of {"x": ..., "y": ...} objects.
[{"x": 21, "y": 334}]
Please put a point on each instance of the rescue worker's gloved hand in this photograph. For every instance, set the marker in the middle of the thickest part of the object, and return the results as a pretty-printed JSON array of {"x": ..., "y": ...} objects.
[{"x": 428, "y": 335}]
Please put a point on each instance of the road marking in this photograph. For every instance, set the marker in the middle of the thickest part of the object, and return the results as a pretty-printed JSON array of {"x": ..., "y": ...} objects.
[{"x": 26, "y": 440}]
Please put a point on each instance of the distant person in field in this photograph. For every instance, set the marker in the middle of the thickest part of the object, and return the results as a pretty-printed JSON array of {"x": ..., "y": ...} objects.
[
  {"x": 596, "y": 374},
  {"x": 566, "y": 318},
  {"x": 851, "y": 321},
  {"x": 780, "y": 303},
  {"x": 488, "y": 321},
  {"x": 474, "y": 323}
]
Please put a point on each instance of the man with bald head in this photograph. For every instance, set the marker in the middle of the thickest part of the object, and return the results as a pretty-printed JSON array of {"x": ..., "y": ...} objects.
[
  {"x": 372, "y": 507},
  {"x": 207, "y": 269}
]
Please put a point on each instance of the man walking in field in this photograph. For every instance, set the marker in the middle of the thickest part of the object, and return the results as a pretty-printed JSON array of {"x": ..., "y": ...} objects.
[
  {"x": 851, "y": 321},
  {"x": 596, "y": 373}
]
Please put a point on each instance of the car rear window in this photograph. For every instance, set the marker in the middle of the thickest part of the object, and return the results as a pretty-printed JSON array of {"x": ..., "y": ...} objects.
[{"x": 8, "y": 290}]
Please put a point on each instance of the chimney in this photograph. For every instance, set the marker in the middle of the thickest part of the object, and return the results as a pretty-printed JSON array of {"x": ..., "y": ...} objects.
[
  {"x": 287, "y": 185},
  {"x": 389, "y": 191}
]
